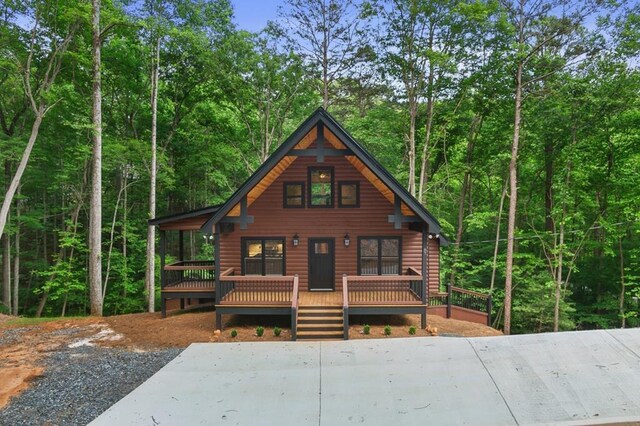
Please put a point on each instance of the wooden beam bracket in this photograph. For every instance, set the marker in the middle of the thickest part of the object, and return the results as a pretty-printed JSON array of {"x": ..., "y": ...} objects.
[{"x": 398, "y": 218}]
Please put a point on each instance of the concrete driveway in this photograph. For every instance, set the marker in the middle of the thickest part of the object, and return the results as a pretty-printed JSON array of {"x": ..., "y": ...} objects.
[{"x": 588, "y": 377}]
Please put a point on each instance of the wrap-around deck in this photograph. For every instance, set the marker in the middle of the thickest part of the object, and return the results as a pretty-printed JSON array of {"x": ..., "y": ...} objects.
[{"x": 281, "y": 295}]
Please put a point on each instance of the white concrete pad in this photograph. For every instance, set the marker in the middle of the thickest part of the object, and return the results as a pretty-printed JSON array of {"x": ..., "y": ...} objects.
[
  {"x": 267, "y": 383},
  {"x": 559, "y": 377},
  {"x": 408, "y": 381},
  {"x": 563, "y": 378}
]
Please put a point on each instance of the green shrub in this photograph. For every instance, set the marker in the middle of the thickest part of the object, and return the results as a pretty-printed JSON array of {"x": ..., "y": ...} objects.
[
  {"x": 259, "y": 331},
  {"x": 387, "y": 330},
  {"x": 234, "y": 333},
  {"x": 412, "y": 330},
  {"x": 366, "y": 329},
  {"x": 4, "y": 309},
  {"x": 277, "y": 331}
]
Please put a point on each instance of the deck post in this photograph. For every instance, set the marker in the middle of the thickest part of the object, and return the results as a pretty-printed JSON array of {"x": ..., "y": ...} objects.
[
  {"x": 449, "y": 290},
  {"x": 181, "y": 238},
  {"x": 163, "y": 278},
  {"x": 489, "y": 308},
  {"x": 216, "y": 262},
  {"x": 345, "y": 306}
]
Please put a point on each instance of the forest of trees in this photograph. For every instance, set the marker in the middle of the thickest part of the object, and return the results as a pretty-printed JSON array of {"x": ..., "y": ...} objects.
[{"x": 515, "y": 122}]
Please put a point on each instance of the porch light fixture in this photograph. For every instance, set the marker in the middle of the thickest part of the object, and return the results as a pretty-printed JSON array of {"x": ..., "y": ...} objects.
[
  {"x": 346, "y": 240},
  {"x": 296, "y": 240}
]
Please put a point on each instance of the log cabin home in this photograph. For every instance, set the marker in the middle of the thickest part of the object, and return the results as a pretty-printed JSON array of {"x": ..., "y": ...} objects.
[{"x": 319, "y": 232}]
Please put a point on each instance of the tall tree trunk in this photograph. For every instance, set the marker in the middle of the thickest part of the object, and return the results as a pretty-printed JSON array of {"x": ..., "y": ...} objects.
[
  {"x": 559, "y": 272},
  {"x": 112, "y": 234},
  {"x": 513, "y": 200},
  {"x": 413, "y": 112},
  {"x": 151, "y": 230},
  {"x": 548, "y": 185},
  {"x": 6, "y": 271},
  {"x": 325, "y": 66},
  {"x": 466, "y": 188},
  {"x": 426, "y": 149},
  {"x": 95, "y": 215},
  {"x": 11, "y": 191},
  {"x": 497, "y": 243},
  {"x": 6, "y": 257},
  {"x": 16, "y": 261}
]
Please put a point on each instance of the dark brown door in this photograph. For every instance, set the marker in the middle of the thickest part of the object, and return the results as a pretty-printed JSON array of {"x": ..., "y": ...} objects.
[{"x": 321, "y": 264}]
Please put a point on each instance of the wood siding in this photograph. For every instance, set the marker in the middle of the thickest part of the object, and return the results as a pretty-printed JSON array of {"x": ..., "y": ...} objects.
[
  {"x": 433, "y": 265},
  {"x": 370, "y": 219}
]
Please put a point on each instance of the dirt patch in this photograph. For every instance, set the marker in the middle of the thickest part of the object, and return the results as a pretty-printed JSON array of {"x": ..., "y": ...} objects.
[
  {"x": 23, "y": 348},
  {"x": 16, "y": 379},
  {"x": 400, "y": 325}
]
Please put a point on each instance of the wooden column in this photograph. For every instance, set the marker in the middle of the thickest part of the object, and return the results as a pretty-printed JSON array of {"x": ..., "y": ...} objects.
[
  {"x": 216, "y": 257},
  {"x": 163, "y": 278}
]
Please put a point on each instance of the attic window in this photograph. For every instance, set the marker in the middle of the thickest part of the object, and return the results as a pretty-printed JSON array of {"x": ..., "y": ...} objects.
[
  {"x": 348, "y": 194},
  {"x": 321, "y": 187},
  {"x": 294, "y": 194}
]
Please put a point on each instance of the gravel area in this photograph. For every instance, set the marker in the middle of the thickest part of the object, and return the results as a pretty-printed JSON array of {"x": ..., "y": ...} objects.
[
  {"x": 79, "y": 384},
  {"x": 13, "y": 335}
]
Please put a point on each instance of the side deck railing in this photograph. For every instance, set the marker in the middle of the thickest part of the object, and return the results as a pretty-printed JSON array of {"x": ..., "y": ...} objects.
[
  {"x": 345, "y": 305},
  {"x": 463, "y": 298},
  {"x": 189, "y": 274},
  {"x": 384, "y": 289},
  {"x": 256, "y": 289}
]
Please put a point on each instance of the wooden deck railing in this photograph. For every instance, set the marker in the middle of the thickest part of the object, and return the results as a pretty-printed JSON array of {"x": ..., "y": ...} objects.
[
  {"x": 384, "y": 289},
  {"x": 294, "y": 308},
  {"x": 463, "y": 298},
  {"x": 256, "y": 289},
  {"x": 189, "y": 274},
  {"x": 345, "y": 305}
]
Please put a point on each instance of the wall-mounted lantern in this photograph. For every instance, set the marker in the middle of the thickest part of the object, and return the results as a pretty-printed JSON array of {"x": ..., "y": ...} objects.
[
  {"x": 346, "y": 240},
  {"x": 296, "y": 240}
]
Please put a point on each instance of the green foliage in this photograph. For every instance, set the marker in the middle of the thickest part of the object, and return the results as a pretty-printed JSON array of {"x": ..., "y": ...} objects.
[
  {"x": 234, "y": 333},
  {"x": 387, "y": 330},
  {"x": 277, "y": 331},
  {"x": 412, "y": 330},
  {"x": 259, "y": 331},
  {"x": 366, "y": 329},
  {"x": 4, "y": 309}
]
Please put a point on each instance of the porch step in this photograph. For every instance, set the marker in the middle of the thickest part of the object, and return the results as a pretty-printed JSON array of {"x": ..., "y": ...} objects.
[
  {"x": 320, "y": 320},
  {"x": 320, "y": 323},
  {"x": 306, "y": 312},
  {"x": 317, "y": 335}
]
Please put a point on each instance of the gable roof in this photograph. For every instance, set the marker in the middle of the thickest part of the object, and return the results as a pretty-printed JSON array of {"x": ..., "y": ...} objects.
[{"x": 321, "y": 115}]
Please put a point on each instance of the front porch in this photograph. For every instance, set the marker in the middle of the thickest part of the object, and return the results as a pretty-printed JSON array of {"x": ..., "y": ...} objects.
[
  {"x": 317, "y": 314},
  {"x": 320, "y": 314}
]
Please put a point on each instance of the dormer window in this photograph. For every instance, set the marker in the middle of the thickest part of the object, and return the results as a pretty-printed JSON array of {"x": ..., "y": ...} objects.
[{"x": 320, "y": 187}]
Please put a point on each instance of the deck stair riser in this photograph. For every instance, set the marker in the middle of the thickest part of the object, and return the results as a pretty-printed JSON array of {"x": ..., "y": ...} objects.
[{"x": 320, "y": 323}]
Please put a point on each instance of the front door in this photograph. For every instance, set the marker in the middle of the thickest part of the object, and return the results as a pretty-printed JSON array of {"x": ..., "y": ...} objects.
[{"x": 321, "y": 264}]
